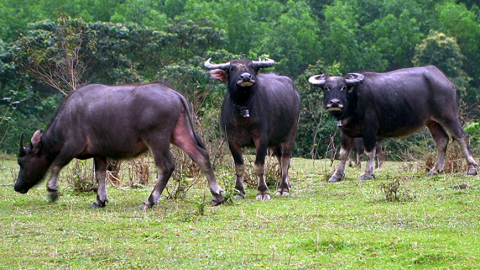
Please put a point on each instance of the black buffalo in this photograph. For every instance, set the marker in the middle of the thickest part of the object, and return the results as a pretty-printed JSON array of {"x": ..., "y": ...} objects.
[
  {"x": 393, "y": 104},
  {"x": 116, "y": 122},
  {"x": 259, "y": 110}
]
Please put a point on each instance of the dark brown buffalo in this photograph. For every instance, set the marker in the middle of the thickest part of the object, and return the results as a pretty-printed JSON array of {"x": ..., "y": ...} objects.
[
  {"x": 259, "y": 110},
  {"x": 116, "y": 122},
  {"x": 393, "y": 104}
]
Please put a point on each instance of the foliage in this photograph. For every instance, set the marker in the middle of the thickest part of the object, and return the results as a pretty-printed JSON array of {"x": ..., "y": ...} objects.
[
  {"x": 316, "y": 126},
  {"x": 442, "y": 51},
  {"x": 457, "y": 21},
  {"x": 80, "y": 177},
  {"x": 395, "y": 190},
  {"x": 117, "y": 41},
  {"x": 57, "y": 53},
  {"x": 293, "y": 41}
]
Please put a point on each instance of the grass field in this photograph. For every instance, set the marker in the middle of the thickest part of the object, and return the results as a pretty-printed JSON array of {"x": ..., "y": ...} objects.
[{"x": 345, "y": 225}]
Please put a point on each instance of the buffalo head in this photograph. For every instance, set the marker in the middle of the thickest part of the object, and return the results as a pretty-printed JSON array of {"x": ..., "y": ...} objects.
[
  {"x": 33, "y": 163},
  {"x": 238, "y": 73},
  {"x": 335, "y": 90}
]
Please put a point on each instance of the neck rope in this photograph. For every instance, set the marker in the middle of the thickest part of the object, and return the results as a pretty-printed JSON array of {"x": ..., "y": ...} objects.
[{"x": 244, "y": 111}]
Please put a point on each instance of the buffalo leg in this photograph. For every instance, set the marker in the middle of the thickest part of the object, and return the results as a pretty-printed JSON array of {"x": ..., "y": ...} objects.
[
  {"x": 182, "y": 138},
  {"x": 369, "y": 142},
  {"x": 236, "y": 151},
  {"x": 369, "y": 168},
  {"x": 52, "y": 186},
  {"x": 350, "y": 158},
  {"x": 472, "y": 165},
  {"x": 283, "y": 153},
  {"x": 462, "y": 137},
  {"x": 440, "y": 136},
  {"x": 261, "y": 149},
  {"x": 101, "y": 176},
  {"x": 358, "y": 159},
  {"x": 165, "y": 165},
  {"x": 57, "y": 166},
  {"x": 347, "y": 144},
  {"x": 378, "y": 151}
]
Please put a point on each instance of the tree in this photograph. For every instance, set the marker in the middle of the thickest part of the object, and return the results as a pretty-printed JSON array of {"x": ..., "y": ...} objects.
[
  {"x": 293, "y": 41},
  {"x": 144, "y": 13},
  {"x": 442, "y": 51},
  {"x": 395, "y": 39},
  {"x": 316, "y": 129},
  {"x": 15, "y": 15},
  {"x": 339, "y": 36},
  {"x": 57, "y": 53},
  {"x": 457, "y": 21}
]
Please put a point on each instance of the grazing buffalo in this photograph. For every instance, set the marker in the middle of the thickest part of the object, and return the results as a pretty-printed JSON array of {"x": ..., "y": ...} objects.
[
  {"x": 357, "y": 151},
  {"x": 393, "y": 104},
  {"x": 117, "y": 122},
  {"x": 260, "y": 110}
]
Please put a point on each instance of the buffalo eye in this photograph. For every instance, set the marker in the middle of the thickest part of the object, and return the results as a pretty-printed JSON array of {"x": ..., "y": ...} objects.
[
  {"x": 326, "y": 89},
  {"x": 232, "y": 68},
  {"x": 343, "y": 88}
]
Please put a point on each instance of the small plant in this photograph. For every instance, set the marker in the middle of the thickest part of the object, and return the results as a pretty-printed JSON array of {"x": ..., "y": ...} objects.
[
  {"x": 113, "y": 171},
  {"x": 229, "y": 191},
  {"x": 454, "y": 160},
  {"x": 395, "y": 190},
  {"x": 139, "y": 171},
  {"x": 80, "y": 176},
  {"x": 271, "y": 171}
]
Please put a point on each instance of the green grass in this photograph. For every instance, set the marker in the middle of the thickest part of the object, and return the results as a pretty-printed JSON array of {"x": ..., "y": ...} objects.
[{"x": 345, "y": 225}]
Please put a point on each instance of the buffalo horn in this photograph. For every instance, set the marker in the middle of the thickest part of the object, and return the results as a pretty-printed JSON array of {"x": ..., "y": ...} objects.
[
  {"x": 22, "y": 151},
  {"x": 354, "y": 78},
  {"x": 317, "y": 80},
  {"x": 209, "y": 65},
  {"x": 263, "y": 64}
]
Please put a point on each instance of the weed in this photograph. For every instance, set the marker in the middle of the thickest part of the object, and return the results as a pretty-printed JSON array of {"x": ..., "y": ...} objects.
[
  {"x": 139, "y": 170},
  {"x": 394, "y": 190},
  {"x": 80, "y": 176}
]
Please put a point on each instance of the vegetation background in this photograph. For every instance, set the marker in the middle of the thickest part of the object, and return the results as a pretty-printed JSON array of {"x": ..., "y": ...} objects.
[{"x": 49, "y": 48}]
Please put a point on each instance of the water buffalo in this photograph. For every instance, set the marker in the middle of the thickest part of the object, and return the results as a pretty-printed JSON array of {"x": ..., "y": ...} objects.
[
  {"x": 260, "y": 110},
  {"x": 393, "y": 104},
  {"x": 117, "y": 122}
]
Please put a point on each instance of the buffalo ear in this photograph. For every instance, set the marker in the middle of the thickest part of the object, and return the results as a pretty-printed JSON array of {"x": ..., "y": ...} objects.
[
  {"x": 219, "y": 74},
  {"x": 36, "y": 140}
]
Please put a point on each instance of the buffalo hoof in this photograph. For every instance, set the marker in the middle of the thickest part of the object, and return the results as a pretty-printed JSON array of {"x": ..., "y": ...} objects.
[
  {"x": 144, "y": 206},
  {"x": 239, "y": 196},
  {"x": 218, "y": 200},
  {"x": 363, "y": 177},
  {"x": 472, "y": 172},
  {"x": 263, "y": 197},
  {"x": 282, "y": 193},
  {"x": 53, "y": 196},
  {"x": 97, "y": 205},
  {"x": 334, "y": 179}
]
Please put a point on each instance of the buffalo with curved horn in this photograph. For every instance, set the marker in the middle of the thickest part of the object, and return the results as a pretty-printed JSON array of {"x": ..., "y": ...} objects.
[
  {"x": 393, "y": 104},
  {"x": 261, "y": 111}
]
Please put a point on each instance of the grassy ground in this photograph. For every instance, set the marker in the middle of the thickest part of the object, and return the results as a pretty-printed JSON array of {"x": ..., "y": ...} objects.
[{"x": 345, "y": 225}]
